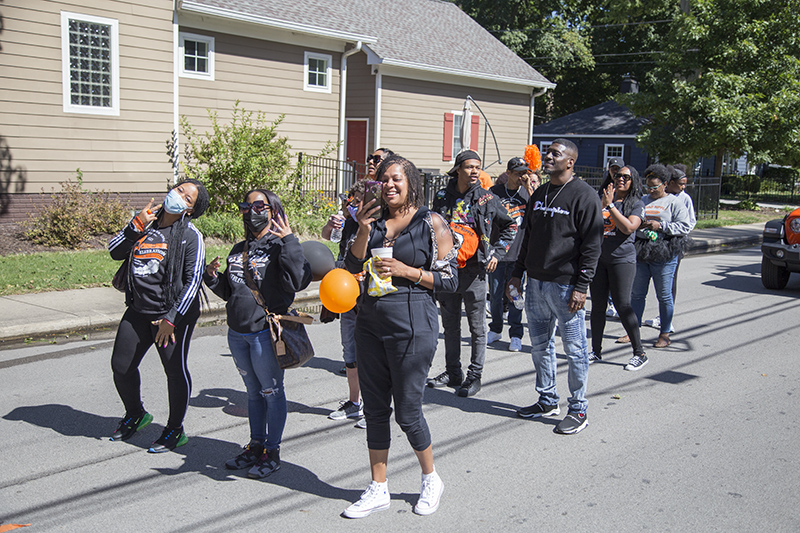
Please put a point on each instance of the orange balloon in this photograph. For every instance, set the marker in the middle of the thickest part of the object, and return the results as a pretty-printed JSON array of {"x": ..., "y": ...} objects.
[{"x": 339, "y": 291}]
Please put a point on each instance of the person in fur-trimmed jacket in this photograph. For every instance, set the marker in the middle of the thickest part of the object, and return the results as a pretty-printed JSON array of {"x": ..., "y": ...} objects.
[{"x": 472, "y": 212}]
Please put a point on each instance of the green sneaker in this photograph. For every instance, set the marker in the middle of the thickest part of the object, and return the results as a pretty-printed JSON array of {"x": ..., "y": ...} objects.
[
  {"x": 170, "y": 439},
  {"x": 130, "y": 425}
]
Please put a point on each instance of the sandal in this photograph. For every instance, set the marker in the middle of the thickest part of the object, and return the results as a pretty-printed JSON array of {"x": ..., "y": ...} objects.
[
  {"x": 663, "y": 341},
  {"x": 623, "y": 340}
]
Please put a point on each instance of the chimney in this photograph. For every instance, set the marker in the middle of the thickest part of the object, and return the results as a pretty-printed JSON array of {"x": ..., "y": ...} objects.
[{"x": 629, "y": 85}]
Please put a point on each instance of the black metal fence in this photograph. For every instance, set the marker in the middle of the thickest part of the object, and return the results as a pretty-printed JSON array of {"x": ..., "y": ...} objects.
[
  {"x": 784, "y": 189},
  {"x": 323, "y": 177}
]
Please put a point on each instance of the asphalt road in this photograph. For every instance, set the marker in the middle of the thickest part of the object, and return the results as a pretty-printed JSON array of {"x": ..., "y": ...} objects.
[{"x": 704, "y": 438}]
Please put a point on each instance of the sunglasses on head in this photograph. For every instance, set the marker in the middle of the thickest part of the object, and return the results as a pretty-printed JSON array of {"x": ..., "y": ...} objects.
[
  {"x": 374, "y": 159},
  {"x": 258, "y": 206}
]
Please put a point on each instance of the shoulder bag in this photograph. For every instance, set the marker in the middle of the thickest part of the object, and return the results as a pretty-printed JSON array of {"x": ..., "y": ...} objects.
[{"x": 290, "y": 341}]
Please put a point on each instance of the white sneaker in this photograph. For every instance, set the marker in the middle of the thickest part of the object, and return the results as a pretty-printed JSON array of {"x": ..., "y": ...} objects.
[
  {"x": 429, "y": 494},
  {"x": 362, "y": 423},
  {"x": 656, "y": 323},
  {"x": 493, "y": 337},
  {"x": 515, "y": 345},
  {"x": 375, "y": 498},
  {"x": 612, "y": 311}
]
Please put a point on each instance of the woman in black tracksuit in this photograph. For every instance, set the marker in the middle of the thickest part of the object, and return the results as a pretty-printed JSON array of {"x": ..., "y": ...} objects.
[
  {"x": 623, "y": 212},
  {"x": 396, "y": 334},
  {"x": 166, "y": 257},
  {"x": 277, "y": 269}
]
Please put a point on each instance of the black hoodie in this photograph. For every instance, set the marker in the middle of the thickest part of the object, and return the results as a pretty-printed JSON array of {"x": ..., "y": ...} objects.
[
  {"x": 279, "y": 269},
  {"x": 481, "y": 210}
]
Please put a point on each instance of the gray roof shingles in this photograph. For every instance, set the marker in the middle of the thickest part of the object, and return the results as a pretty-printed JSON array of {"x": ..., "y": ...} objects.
[
  {"x": 608, "y": 118},
  {"x": 425, "y": 33}
]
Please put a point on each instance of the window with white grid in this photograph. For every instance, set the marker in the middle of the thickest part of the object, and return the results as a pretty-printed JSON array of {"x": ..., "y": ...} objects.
[
  {"x": 90, "y": 64},
  {"x": 613, "y": 150},
  {"x": 197, "y": 56},
  {"x": 317, "y": 72}
]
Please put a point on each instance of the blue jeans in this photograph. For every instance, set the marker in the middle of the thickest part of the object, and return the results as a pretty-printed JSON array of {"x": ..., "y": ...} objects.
[
  {"x": 546, "y": 302},
  {"x": 347, "y": 328},
  {"x": 263, "y": 378},
  {"x": 663, "y": 276},
  {"x": 497, "y": 287}
]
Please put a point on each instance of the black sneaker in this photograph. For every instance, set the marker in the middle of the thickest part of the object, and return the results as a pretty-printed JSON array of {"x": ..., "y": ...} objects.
[
  {"x": 130, "y": 425},
  {"x": 446, "y": 380},
  {"x": 170, "y": 439},
  {"x": 636, "y": 362},
  {"x": 249, "y": 456},
  {"x": 594, "y": 357},
  {"x": 470, "y": 386},
  {"x": 572, "y": 423},
  {"x": 539, "y": 410},
  {"x": 268, "y": 463}
]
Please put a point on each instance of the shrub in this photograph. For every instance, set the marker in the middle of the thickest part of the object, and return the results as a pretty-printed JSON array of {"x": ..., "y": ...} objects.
[
  {"x": 247, "y": 154},
  {"x": 221, "y": 225},
  {"x": 75, "y": 215}
]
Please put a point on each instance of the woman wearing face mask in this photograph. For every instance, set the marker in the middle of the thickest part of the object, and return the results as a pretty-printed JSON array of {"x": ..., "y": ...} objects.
[
  {"x": 166, "y": 258},
  {"x": 271, "y": 261}
]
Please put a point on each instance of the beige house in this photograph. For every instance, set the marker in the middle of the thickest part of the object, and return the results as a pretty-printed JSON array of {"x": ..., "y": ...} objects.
[{"x": 101, "y": 86}]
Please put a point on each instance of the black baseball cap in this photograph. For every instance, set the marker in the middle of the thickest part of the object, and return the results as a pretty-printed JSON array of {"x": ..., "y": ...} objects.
[
  {"x": 616, "y": 162},
  {"x": 466, "y": 155},
  {"x": 517, "y": 164}
]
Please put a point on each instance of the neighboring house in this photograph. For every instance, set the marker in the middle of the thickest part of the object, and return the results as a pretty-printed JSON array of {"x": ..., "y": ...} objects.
[
  {"x": 100, "y": 86},
  {"x": 601, "y": 132}
]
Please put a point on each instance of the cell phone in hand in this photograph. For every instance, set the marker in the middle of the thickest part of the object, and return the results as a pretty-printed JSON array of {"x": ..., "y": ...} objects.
[{"x": 374, "y": 190}]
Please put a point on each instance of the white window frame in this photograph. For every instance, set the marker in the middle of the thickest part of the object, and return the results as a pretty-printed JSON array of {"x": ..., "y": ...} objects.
[
  {"x": 457, "y": 125},
  {"x": 69, "y": 107},
  {"x": 328, "y": 72},
  {"x": 543, "y": 146},
  {"x": 183, "y": 36},
  {"x": 607, "y": 148}
]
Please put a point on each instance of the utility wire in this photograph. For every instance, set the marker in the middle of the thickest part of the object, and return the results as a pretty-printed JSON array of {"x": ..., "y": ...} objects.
[{"x": 588, "y": 27}]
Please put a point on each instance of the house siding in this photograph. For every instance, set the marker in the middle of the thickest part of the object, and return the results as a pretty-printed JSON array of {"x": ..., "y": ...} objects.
[
  {"x": 413, "y": 117},
  {"x": 41, "y": 144},
  {"x": 264, "y": 76}
]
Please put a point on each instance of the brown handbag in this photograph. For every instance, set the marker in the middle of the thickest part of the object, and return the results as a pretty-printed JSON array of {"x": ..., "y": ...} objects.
[{"x": 290, "y": 340}]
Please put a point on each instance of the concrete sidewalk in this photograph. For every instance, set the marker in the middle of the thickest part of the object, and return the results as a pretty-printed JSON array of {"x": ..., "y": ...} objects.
[{"x": 83, "y": 310}]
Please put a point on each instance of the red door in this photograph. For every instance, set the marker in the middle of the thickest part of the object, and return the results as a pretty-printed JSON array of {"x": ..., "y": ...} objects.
[{"x": 356, "y": 141}]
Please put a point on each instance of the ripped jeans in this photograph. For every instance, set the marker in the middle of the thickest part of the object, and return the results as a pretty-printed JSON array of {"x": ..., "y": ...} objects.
[{"x": 263, "y": 378}]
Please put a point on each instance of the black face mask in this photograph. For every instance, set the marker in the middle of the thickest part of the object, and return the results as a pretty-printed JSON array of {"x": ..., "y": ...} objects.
[{"x": 256, "y": 222}]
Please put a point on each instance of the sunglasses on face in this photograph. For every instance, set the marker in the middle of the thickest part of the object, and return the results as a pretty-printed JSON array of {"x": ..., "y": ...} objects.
[
  {"x": 258, "y": 206},
  {"x": 626, "y": 177},
  {"x": 374, "y": 159},
  {"x": 653, "y": 187}
]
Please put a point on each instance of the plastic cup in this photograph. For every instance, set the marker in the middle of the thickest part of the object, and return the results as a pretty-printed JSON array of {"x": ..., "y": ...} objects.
[{"x": 383, "y": 253}]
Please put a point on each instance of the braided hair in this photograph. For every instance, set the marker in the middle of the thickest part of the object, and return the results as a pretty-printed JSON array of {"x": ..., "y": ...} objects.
[{"x": 174, "y": 261}]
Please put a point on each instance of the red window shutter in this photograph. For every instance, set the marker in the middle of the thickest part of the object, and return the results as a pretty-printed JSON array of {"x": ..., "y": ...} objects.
[
  {"x": 473, "y": 136},
  {"x": 447, "y": 146}
]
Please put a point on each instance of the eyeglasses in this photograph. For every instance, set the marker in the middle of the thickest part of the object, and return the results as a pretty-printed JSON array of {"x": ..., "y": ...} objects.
[
  {"x": 626, "y": 177},
  {"x": 258, "y": 206},
  {"x": 654, "y": 187},
  {"x": 374, "y": 159}
]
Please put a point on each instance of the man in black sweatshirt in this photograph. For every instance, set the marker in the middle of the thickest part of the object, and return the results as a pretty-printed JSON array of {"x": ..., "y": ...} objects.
[
  {"x": 559, "y": 252},
  {"x": 473, "y": 213}
]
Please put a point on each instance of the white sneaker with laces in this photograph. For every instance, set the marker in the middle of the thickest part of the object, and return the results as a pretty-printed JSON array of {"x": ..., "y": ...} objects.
[
  {"x": 493, "y": 337},
  {"x": 515, "y": 345},
  {"x": 430, "y": 493},
  {"x": 656, "y": 323},
  {"x": 611, "y": 311},
  {"x": 375, "y": 498}
]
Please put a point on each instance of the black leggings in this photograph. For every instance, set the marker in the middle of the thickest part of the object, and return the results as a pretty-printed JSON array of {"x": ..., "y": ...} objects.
[
  {"x": 135, "y": 335},
  {"x": 616, "y": 278},
  {"x": 395, "y": 344}
]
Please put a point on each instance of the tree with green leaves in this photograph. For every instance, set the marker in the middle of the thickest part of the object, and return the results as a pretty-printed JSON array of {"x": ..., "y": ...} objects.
[{"x": 727, "y": 82}]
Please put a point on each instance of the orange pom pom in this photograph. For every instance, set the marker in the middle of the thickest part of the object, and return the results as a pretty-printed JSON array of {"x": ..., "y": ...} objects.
[{"x": 533, "y": 157}]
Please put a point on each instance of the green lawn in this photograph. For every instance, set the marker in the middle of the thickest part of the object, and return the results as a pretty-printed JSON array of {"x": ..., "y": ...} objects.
[{"x": 733, "y": 217}]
